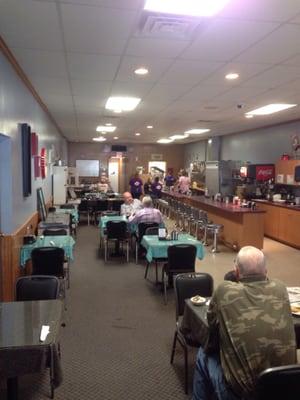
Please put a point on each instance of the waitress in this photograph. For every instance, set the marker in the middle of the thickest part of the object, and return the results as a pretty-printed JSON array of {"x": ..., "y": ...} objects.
[
  {"x": 136, "y": 186},
  {"x": 184, "y": 183}
]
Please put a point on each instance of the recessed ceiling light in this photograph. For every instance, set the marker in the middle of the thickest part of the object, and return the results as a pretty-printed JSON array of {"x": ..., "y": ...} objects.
[
  {"x": 119, "y": 104},
  {"x": 108, "y": 124},
  {"x": 102, "y": 128},
  {"x": 249, "y": 115},
  {"x": 149, "y": 126},
  {"x": 270, "y": 109},
  {"x": 196, "y": 8},
  {"x": 141, "y": 71},
  {"x": 116, "y": 137},
  {"x": 179, "y": 137},
  {"x": 99, "y": 139},
  {"x": 164, "y": 141},
  {"x": 209, "y": 141},
  {"x": 137, "y": 134},
  {"x": 117, "y": 111},
  {"x": 231, "y": 76},
  {"x": 196, "y": 131}
]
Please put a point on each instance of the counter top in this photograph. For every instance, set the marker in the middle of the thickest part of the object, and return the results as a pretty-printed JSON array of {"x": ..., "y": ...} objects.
[
  {"x": 276, "y": 204},
  {"x": 230, "y": 208}
]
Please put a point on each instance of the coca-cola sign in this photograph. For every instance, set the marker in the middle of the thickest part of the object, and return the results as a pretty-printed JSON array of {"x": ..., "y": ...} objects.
[{"x": 264, "y": 172}]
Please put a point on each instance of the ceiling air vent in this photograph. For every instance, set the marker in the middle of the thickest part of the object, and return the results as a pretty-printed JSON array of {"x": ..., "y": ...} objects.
[{"x": 164, "y": 26}]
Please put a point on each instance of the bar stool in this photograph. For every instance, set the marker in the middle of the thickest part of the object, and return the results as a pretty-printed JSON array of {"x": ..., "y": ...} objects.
[{"x": 213, "y": 229}]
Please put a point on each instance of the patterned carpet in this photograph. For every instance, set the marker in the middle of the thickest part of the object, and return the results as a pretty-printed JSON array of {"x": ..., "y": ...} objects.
[{"x": 118, "y": 334}]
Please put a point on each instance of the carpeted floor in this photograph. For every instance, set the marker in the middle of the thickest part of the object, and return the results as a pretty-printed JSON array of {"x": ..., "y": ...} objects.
[{"x": 118, "y": 334}]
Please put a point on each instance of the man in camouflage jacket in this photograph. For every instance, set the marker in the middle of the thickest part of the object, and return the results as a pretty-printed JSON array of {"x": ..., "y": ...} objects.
[{"x": 252, "y": 321}]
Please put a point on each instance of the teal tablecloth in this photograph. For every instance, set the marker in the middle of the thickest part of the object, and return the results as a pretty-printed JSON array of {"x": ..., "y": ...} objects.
[
  {"x": 65, "y": 242},
  {"x": 72, "y": 211},
  {"x": 159, "y": 248}
]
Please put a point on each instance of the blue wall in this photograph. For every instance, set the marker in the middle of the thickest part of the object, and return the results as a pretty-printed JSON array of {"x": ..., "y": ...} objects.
[{"x": 17, "y": 105}]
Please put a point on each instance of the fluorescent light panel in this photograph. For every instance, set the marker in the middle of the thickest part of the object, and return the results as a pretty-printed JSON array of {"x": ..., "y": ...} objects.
[
  {"x": 197, "y": 131},
  {"x": 179, "y": 137},
  {"x": 119, "y": 104},
  {"x": 108, "y": 128},
  {"x": 196, "y": 8},
  {"x": 165, "y": 141},
  {"x": 270, "y": 109},
  {"x": 99, "y": 139}
]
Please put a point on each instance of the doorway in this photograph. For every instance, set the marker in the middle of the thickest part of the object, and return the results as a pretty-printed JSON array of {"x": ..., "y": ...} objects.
[
  {"x": 5, "y": 185},
  {"x": 157, "y": 168}
]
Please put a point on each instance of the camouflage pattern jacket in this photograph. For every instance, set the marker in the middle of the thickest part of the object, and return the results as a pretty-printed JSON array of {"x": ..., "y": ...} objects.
[{"x": 254, "y": 324}]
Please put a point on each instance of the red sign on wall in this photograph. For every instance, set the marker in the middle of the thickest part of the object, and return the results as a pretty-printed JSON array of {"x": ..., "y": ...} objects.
[
  {"x": 43, "y": 163},
  {"x": 265, "y": 172}
]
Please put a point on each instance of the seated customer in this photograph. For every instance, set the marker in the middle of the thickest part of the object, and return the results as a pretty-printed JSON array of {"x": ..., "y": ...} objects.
[
  {"x": 156, "y": 188},
  {"x": 103, "y": 186},
  {"x": 130, "y": 206},
  {"x": 253, "y": 323},
  {"x": 147, "y": 214}
]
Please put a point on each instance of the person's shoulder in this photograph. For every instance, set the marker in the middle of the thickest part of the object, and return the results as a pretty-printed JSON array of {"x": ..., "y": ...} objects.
[{"x": 227, "y": 286}]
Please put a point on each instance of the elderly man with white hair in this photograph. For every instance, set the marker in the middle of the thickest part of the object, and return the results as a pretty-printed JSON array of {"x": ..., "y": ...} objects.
[
  {"x": 250, "y": 329},
  {"x": 147, "y": 214}
]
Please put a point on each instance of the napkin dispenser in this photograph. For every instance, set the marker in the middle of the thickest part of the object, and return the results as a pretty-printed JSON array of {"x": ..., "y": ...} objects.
[
  {"x": 162, "y": 234},
  {"x": 29, "y": 239}
]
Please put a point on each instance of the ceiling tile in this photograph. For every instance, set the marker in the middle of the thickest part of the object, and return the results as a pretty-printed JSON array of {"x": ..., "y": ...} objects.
[
  {"x": 261, "y": 10},
  {"x": 128, "y": 4},
  {"x": 134, "y": 89},
  {"x": 96, "y": 30},
  {"x": 84, "y": 87},
  {"x": 274, "y": 77},
  {"x": 56, "y": 86},
  {"x": 146, "y": 47},
  {"x": 277, "y": 47},
  {"x": 30, "y": 24},
  {"x": 189, "y": 72},
  {"x": 47, "y": 64},
  {"x": 92, "y": 66},
  {"x": 222, "y": 40}
]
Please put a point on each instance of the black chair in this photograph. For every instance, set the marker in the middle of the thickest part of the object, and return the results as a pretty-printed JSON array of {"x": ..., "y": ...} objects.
[
  {"x": 185, "y": 287},
  {"x": 142, "y": 227},
  {"x": 51, "y": 209},
  {"x": 49, "y": 261},
  {"x": 153, "y": 231},
  {"x": 100, "y": 207},
  {"x": 83, "y": 209},
  {"x": 181, "y": 258},
  {"x": 279, "y": 383},
  {"x": 37, "y": 287},
  {"x": 116, "y": 205},
  {"x": 55, "y": 232},
  {"x": 116, "y": 231},
  {"x": 40, "y": 287}
]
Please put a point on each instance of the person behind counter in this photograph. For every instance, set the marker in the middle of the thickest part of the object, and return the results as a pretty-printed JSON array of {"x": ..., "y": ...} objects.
[
  {"x": 156, "y": 188},
  {"x": 250, "y": 329},
  {"x": 136, "y": 186},
  {"x": 147, "y": 187},
  {"x": 184, "y": 183},
  {"x": 170, "y": 179},
  {"x": 130, "y": 206}
]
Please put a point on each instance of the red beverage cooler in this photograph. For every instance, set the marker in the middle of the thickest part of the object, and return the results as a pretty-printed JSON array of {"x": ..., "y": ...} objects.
[{"x": 258, "y": 172}]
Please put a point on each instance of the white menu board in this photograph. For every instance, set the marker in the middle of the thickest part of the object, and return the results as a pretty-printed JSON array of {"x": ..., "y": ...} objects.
[{"x": 87, "y": 167}]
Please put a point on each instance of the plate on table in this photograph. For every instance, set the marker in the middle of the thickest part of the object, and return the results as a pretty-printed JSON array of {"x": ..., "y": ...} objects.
[
  {"x": 295, "y": 307},
  {"x": 198, "y": 300}
]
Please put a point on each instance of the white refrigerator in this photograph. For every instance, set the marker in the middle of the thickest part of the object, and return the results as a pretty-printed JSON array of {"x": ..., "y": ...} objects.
[{"x": 60, "y": 178}]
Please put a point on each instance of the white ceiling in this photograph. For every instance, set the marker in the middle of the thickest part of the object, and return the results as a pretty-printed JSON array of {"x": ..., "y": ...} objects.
[{"x": 79, "y": 52}]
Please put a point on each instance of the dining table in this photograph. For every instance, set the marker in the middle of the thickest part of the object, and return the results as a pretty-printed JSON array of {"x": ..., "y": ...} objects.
[
  {"x": 65, "y": 242},
  {"x": 22, "y": 349},
  {"x": 195, "y": 324},
  {"x": 68, "y": 211},
  {"x": 156, "y": 248},
  {"x": 56, "y": 221}
]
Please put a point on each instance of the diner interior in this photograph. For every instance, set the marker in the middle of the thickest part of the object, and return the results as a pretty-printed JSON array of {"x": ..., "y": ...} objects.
[{"x": 191, "y": 108}]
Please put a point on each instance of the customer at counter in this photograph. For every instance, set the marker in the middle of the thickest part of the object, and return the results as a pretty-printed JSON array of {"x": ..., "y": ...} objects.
[
  {"x": 170, "y": 179},
  {"x": 252, "y": 322},
  {"x": 156, "y": 188},
  {"x": 103, "y": 186},
  {"x": 147, "y": 187},
  {"x": 131, "y": 205},
  {"x": 136, "y": 186},
  {"x": 184, "y": 183},
  {"x": 147, "y": 214}
]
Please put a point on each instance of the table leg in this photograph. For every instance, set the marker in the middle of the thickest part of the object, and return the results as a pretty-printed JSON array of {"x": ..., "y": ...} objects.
[{"x": 12, "y": 388}]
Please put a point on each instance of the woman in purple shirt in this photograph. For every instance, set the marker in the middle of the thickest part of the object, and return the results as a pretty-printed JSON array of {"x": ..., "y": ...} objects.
[
  {"x": 136, "y": 186},
  {"x": 156, "y": 188}
]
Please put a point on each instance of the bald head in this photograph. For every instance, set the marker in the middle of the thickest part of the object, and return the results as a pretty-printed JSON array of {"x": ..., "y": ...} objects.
[
  {"x": 251, "y": 261},
  {"x": 127, "y": 197}
]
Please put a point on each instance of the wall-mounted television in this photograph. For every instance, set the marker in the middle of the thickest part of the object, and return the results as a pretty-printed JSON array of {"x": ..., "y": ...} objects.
[{"x": 119, "y": 148}]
